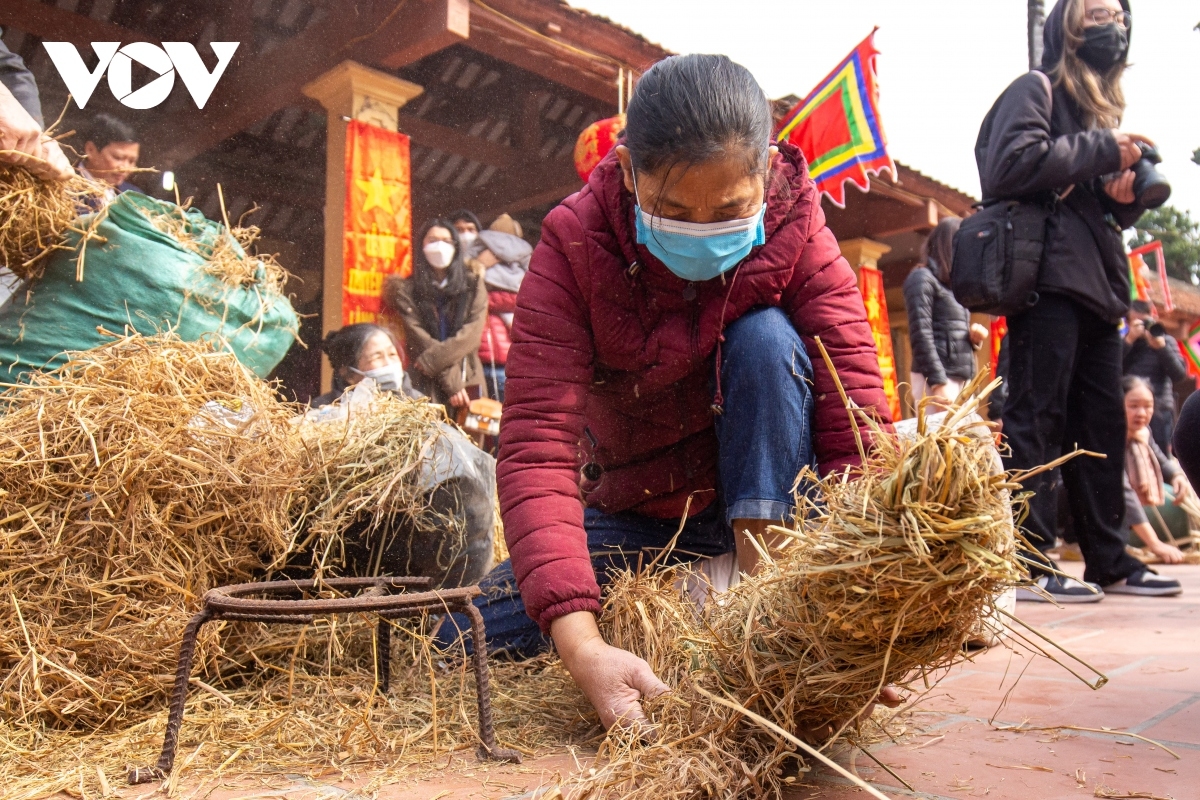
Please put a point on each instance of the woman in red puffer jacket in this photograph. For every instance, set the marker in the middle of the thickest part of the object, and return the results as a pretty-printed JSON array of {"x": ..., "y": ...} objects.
[{"x": 664, "y": 353}]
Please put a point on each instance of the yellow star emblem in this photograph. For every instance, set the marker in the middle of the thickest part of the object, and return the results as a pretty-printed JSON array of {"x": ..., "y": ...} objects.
[{"x": 379, "y": 194}]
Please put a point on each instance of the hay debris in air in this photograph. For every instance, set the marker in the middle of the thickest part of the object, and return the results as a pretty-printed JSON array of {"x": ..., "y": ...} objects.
[
  {"x": 35, "y": 215},
  {"x": 882, "y": 582},
  {"x": 232, "y": 255}
]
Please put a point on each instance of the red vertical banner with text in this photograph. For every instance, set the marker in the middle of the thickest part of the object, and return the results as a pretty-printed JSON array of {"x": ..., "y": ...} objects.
[
  {"x": 870, "y": 283},
  {"x": 378, "y": 219}
]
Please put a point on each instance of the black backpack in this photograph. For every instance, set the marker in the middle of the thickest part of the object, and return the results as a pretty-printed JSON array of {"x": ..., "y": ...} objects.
[
  {"x": 997, "y": 256},
  {"x": 998, "y": 250}
]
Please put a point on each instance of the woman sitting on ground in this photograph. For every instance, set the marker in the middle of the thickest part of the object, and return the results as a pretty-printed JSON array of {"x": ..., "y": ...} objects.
[
  {"x": 1155, "y": 486},
  {"x": 664, "y": 354},
  {"x": 364, "y": 351},
  {"x": 444, "y": 309}
]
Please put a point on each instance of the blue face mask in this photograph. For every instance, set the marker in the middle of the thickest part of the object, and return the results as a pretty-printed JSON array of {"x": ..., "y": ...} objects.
[{"x": 698, "y": 251}]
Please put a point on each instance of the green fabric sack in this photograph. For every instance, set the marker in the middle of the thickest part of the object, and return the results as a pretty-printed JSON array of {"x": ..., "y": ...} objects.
[{"x": 138, "y": 277}]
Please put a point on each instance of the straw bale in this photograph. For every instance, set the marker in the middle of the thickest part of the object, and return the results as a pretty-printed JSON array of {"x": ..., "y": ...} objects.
[
  {"x": 136, "y": 477},
  {"x": 882, "y": 581}
]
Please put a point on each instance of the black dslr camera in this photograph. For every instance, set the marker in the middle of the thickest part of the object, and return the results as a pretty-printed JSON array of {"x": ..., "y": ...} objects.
[{"x": 1149, "y": 185}]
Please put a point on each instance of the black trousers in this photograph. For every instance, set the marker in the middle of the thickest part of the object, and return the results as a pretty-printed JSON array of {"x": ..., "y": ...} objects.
[{"x": 1065, "y": 392}]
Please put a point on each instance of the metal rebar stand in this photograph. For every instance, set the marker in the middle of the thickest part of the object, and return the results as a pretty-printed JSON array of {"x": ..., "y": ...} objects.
[{"x": 276, "y": 602}]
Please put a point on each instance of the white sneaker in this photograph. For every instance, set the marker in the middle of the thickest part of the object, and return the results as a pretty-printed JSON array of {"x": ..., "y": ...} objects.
[{"x": 1052, "y": 588}]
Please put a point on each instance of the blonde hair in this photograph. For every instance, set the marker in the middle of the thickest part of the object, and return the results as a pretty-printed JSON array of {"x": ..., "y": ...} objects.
[{"x": 1099, "y": 97}]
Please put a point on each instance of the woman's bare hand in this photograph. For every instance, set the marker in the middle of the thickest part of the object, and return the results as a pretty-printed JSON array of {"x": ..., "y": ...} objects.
[
  {"x": 1167, "y": 553},
  {"x": 978, "y": 334},
  {"x": 1181, "y": 487},
  {"x": 1130, "y": 152},
  {"x": 460, "y": 398},
  {"x": 1120, "y": 188},
  {"x": 612, "y": 679},
  {"x": 24, "y": 144}
]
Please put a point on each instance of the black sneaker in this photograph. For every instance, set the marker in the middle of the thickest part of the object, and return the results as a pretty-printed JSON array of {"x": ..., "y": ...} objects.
[
  {"x": 1147, "y": 583},
  {"x": 1053, "y": 589}
]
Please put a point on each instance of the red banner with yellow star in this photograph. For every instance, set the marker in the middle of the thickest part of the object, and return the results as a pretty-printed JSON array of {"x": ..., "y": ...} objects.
[
  {"x": 870, "y": 283},
  {"x": 378, "y": 218}
]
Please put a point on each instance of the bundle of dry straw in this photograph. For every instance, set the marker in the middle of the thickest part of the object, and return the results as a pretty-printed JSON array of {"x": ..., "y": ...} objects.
[
  {"x": 135, "y": 478},
  {"x": 35, "y": 214},
  {"x": 882, "y": 581}
]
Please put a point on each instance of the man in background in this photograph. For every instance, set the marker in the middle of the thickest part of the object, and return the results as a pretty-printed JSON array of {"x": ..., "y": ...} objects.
[
  {"x": 110, "y": 153},
  {"x": 1153, "y": 355}
]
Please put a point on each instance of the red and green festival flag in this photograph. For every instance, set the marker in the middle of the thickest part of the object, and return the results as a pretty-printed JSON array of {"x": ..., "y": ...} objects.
[
  {"x": 837, "y": 126},
  {"x": 1191, "y": 350}
]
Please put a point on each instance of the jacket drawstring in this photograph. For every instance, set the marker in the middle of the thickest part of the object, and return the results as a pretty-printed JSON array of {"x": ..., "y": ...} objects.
[{"x": 718, "y": 406}]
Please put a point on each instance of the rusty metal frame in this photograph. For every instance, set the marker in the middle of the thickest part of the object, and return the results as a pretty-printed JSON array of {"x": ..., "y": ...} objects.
[{"x": 388, "y": 597}]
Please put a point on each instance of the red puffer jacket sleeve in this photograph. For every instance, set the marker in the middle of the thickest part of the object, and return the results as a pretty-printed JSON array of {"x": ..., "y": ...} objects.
[
  {"x": 550, "y": 369},
  {"x": 823, "y": 300}
]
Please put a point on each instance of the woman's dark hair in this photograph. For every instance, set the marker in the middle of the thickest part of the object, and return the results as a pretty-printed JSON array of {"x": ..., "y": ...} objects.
[
  {"x": 465, "y": 215},
  {"x": 938, "y": 249},
  {"x": 691, "y": 109},
  {"x": 1131, "y": 382},
  {"x": 426, "y": 288},
  {"x": 345, "y": 345},
  {"x": 104, "y": 129}
]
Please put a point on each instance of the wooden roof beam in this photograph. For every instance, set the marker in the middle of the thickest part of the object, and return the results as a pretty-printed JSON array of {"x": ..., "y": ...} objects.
[
  {"x": 58, "y": 25},
  {"x": 256, "y": 87},
  {"x": 439, "y": 137},
  {"x": 877, "y": 217},
  {"x": 509, "y": 30}
]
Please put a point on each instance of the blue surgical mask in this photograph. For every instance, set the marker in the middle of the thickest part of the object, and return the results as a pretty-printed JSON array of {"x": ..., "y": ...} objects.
[{"x": 698, "y": 251}]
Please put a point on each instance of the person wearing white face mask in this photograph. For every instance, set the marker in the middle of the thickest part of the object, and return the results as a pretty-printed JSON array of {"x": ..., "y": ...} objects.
[
  {"x": 468, "y": 228},
  {"x": 444, "y": 309},
  {"x": 363, "y": 351}
]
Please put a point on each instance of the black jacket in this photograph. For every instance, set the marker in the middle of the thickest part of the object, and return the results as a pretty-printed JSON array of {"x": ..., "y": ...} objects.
[
  {"x": 938, "y": 328},
  {"x": 1031, "y": 146},
  {"x": 1162, "y": 368},
  {"x": 19, "y": 80}
]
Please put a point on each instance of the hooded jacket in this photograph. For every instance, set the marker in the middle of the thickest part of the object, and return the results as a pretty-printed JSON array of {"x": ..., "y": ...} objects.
[
  {"x": 1032, "y": 144},
  {"x": 612, "y": 362},
  {"x": 503, "y": 280},
  {"x": 939, "y": 329}
]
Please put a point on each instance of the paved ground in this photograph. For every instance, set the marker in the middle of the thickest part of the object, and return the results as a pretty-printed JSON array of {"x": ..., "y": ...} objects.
[{"x": 1148, "y": 648}]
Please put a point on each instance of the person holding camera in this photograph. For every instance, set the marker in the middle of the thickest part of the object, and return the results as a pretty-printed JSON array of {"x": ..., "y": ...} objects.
[
  {"x": 1152, "y": 354},
  {"x": 1052, "y": 138}
]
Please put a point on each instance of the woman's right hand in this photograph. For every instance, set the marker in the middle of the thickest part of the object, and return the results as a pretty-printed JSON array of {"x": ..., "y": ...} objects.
[
  {"x": 1130, "y": 152},
  {"x": 460, "y": 398},
  {"x": 1167, "y": 553},
  {"x": 612, "y": 679}
]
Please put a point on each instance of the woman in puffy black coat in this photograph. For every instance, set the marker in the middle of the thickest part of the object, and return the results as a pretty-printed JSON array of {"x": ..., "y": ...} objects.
[
  {"x": 943, "y": 339},
  {"x": 1054, "y": 133}
]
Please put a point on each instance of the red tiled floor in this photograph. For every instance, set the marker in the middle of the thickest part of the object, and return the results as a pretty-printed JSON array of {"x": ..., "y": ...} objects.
[{"x": 1149, "y": 648}]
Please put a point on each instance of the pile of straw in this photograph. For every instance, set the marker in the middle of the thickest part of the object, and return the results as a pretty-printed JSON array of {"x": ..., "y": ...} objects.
[
  {"x": 232, "y": 256},
  {"x": 136, "y": 477},
  {"x": 365, "y": 475},
  {"x": 882, "y": 581},
  {"x": 35, "y": 214}
]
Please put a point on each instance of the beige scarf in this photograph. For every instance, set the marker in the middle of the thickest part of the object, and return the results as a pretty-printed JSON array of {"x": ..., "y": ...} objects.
[{"x": 1145, "y": 475}]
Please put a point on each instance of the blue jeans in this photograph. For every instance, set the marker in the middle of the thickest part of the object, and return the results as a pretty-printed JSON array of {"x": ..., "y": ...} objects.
[
  {"x": 764, "y": 439},
  {"x": 493, "y": 378}
]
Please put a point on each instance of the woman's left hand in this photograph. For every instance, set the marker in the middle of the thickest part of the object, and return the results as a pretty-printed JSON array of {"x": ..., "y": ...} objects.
[
  {"x": 1120, "y": 188},
  {"x": 978, "y": 334},
  {"x": 1181, "y": 487}
]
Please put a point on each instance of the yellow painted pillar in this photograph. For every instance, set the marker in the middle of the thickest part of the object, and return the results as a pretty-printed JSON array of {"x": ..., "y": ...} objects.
[
  {"x": 863, "y": 252},
  {"x": 348, "y": 91}
]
